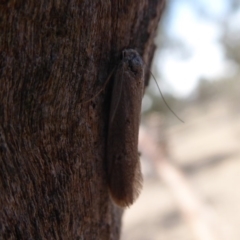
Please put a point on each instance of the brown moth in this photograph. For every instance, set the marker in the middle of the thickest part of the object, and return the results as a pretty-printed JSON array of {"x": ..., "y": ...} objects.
[{"x": 123, "y": 165}]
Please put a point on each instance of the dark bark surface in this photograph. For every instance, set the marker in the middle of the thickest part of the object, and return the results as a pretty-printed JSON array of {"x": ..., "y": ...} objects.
[{"x": 54, "y": 56}]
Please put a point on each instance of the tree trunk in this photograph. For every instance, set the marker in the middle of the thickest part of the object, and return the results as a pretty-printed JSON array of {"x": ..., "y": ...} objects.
[{"x": 54, "y": 57}]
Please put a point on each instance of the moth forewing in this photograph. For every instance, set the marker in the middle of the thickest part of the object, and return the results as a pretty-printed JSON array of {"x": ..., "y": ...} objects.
[{"x": 123, "y": 166}]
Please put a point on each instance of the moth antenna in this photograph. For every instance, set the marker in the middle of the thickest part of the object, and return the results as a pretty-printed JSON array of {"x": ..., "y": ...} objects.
[
  {"x": 109, "y": 77},
  {"x": 165, "y": 100}
]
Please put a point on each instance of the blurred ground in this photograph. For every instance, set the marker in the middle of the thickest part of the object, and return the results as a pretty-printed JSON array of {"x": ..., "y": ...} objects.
[{"x": 206, "y": 150}]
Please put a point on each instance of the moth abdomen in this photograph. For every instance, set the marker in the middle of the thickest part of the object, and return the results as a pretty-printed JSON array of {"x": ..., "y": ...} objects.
[{"x": 123, "y": 166}]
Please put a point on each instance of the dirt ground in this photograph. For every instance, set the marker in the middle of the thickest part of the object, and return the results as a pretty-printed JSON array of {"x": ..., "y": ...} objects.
[{"x": 206, "y": 150}]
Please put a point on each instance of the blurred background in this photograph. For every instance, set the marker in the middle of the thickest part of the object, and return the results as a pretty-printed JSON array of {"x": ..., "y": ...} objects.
[{"x": 192, "y": 169}]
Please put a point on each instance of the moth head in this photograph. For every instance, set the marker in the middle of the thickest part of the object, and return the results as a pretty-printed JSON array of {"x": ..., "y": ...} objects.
[{"x": 133, "y": 60}]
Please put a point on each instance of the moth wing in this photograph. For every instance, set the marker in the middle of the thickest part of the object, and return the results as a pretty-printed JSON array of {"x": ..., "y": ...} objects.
[{"x": 124, "y": 169}]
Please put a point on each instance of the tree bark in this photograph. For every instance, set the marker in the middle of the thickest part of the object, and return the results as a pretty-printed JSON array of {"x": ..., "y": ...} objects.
[{"x": 54, "y": 57}]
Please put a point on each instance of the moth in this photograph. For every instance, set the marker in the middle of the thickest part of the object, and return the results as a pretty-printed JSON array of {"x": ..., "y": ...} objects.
[{"x": 123, "y": 165}]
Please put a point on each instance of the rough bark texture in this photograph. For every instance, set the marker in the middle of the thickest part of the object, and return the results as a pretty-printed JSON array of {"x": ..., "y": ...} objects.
[{"x": 54, "y": 56}]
